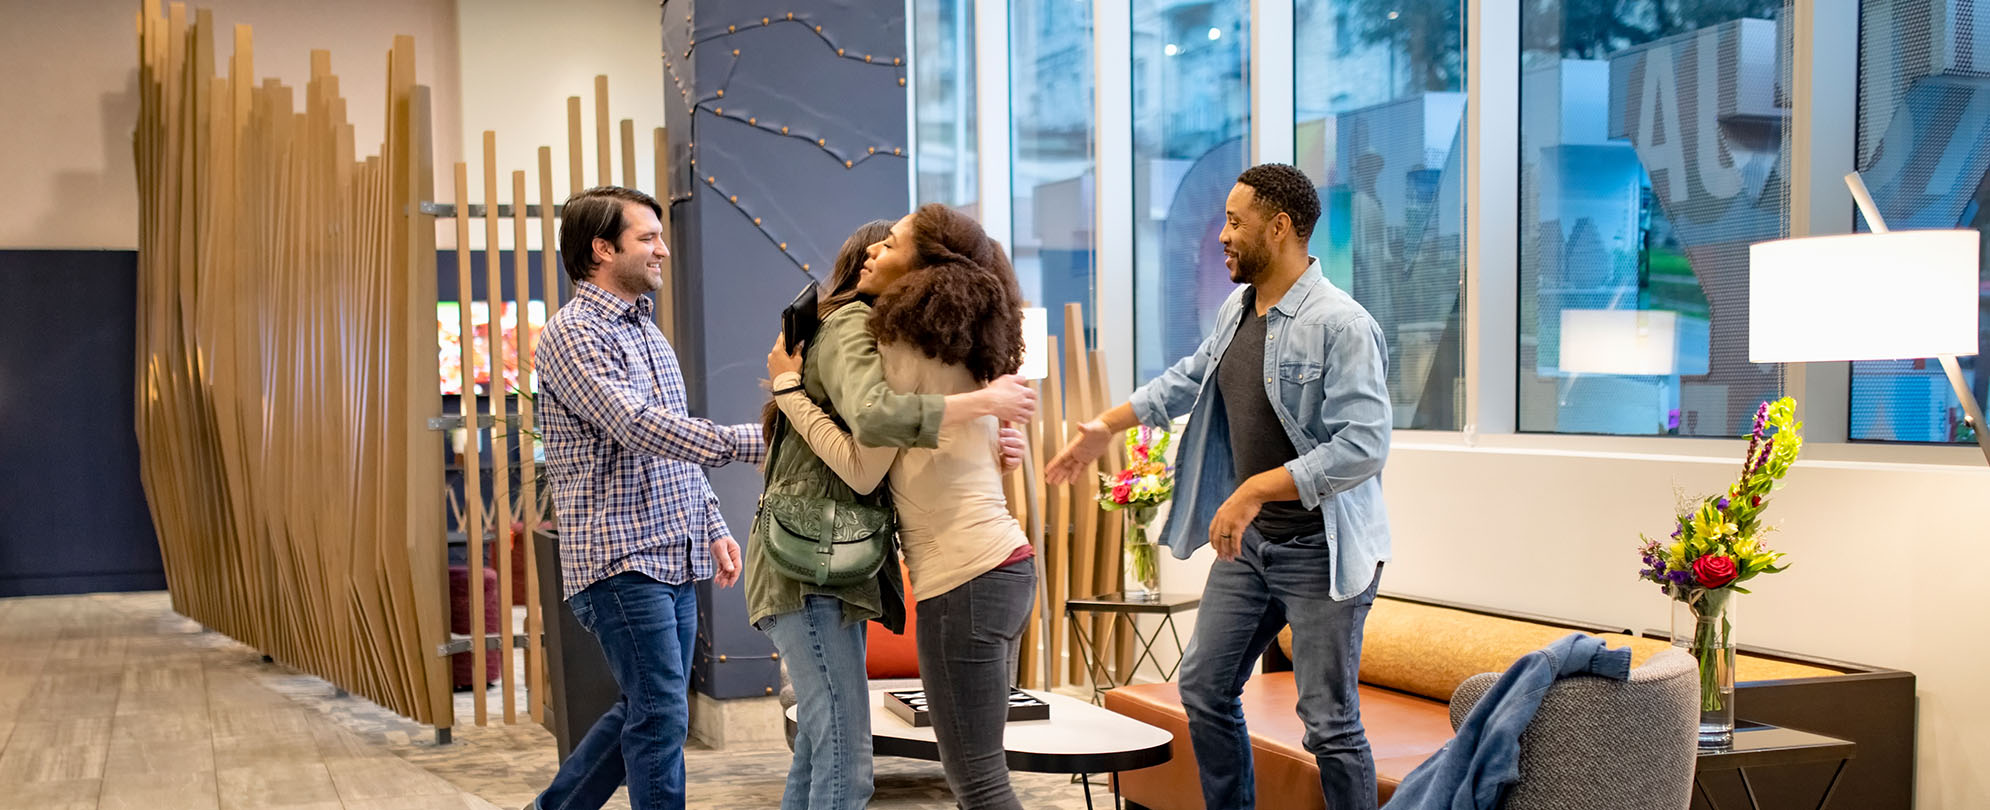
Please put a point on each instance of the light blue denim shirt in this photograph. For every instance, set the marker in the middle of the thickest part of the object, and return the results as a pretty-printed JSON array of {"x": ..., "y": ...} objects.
[{"x": 1324, "y": 373}]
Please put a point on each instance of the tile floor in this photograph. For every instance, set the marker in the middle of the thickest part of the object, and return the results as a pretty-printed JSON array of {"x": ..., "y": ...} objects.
[{"x": 114, "y": 701}]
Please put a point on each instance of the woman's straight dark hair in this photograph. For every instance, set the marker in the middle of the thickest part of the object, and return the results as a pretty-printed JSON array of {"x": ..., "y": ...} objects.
[{"x": 842, "y": 290}]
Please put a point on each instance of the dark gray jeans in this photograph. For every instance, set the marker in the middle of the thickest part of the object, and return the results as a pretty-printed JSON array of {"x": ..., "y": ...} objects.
[{"x": 968, "y": 639}]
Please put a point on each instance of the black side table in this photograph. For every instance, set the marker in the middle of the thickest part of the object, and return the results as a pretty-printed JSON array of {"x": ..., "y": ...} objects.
[
  {"x": 1124, "y": 610},
  {"x": 1757, "y": 746}
]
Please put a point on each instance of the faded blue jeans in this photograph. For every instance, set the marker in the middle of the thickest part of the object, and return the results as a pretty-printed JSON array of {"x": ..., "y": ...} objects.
[
  {"x": 646, "y": 629},
  {"x": 1246, "y": 602},
  {"x": 832, "y": 765}
]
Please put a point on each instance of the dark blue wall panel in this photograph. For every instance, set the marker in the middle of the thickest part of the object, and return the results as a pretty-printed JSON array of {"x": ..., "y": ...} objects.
[
  {"x": 73, "y": 517},
  {"x": 840, "y": 164}
]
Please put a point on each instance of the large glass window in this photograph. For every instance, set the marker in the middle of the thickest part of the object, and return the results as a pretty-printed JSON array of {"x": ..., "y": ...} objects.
[
  {"x": 1924, "y": 150},
  {"x": 1191, "y": 113},
  {"x": 943, "y": 106},
  {"x": 1050, "y": 98},
  {"x": 1379, "y": 95},
  {"x": 1653, "y": 153}
]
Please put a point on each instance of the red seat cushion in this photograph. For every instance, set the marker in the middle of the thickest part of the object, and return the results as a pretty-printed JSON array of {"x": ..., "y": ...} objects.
[{"x": 892, "y": 655}]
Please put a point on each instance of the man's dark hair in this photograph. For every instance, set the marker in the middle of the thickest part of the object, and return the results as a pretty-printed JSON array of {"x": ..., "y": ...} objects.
[
  {"x": 1282, "y": 188},
  {"x": 595, "y": 214}
]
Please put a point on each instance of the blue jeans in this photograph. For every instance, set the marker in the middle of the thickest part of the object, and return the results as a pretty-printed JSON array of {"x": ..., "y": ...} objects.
[
  {"x": 832, "y": 765},
  {"x": 1247, "y": 601},
  {"x": 647, "y": 630},
  {"x": 968, "y": 642}
]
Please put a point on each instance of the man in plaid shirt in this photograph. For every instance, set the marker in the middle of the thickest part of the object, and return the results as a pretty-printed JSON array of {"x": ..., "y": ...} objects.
[{"x": 639, "y": 524}]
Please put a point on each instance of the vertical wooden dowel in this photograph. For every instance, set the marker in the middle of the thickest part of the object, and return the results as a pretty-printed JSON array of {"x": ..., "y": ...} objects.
[
  {"x": 498, "y": 393},
  {"x": 603, "y": 150},
  {"x": 548, "y": 236},
  {"x": 473, "y": 477},
  {"x": 1057, "y": 511},
  {"x": 628, "y": 129},
  {"x": 576, "y": 176},
  {"x": 1084, "y": 507},
  {"x": 535, "y": 662}
]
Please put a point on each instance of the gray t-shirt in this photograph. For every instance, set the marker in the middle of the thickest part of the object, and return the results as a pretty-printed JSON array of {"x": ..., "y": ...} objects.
[{"x": 1257, "y": 441}]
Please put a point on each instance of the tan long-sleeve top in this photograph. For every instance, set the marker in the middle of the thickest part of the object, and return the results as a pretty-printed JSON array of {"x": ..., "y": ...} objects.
[{"x": 953, "y": 521}]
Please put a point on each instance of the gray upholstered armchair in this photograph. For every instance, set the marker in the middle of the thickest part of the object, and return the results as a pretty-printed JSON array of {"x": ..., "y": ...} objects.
[{"x": 1627, "y": 745}]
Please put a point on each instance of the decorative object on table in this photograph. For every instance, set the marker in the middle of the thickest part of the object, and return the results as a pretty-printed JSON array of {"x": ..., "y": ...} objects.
[
  {"x": 1139, "y": 490},
  {"x": 1718, "y": 545},
  {"x": 910, "y": 705}
]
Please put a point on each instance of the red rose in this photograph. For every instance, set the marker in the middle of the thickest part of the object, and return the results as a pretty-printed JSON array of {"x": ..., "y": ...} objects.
[
  {"x": 1121, "y": 493},
  {"x": 1714, "y": 570}
]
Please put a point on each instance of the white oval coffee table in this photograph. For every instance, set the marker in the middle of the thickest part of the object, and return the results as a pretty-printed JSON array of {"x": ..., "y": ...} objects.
[{"x": 1078, "y": 738}]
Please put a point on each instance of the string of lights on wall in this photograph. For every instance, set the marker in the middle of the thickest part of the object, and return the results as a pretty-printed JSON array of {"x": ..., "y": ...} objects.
[{"x": 714, "y": 105}]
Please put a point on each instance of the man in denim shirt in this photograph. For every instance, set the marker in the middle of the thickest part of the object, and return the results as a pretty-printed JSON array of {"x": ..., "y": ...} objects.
[{"x": 1280, "y": 470}]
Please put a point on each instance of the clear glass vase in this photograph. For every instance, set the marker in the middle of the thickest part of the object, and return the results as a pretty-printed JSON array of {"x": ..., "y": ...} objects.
[
  {"x": 1142, "y": 557},
  {"x": 1703, "y": 627}
]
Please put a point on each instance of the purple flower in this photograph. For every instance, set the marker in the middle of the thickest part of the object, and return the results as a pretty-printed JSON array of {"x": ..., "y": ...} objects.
[
  {"x": 1675, "y": 532},
  {"x": 1721, "y": 504},
  {"x": 1678, "y": 577}
]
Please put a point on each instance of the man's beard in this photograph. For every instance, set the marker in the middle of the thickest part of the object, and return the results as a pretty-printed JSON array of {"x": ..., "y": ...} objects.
[
  {"x": 636, "y": 278},
  {"x": 1253, "y": 261}
]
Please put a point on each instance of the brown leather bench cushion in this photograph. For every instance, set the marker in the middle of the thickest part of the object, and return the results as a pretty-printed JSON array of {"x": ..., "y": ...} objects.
[{"x": 1403, "y": 730}]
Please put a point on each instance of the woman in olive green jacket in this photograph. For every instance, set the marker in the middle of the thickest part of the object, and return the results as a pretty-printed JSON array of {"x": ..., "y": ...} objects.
[{"x": 820, "y": 631}]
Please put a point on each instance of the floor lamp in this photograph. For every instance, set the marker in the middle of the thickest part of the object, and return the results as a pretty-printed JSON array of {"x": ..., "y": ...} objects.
[{"x": 1811, "y": 299}]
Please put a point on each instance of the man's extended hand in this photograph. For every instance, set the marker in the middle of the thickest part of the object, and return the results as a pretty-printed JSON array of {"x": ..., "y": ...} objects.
[
  {"x": 1226, "y": 531},
  {"x": 1011, "y": 442},
  {"x": 1086, "y": 446},
  {"x": 725, "y": 552}
]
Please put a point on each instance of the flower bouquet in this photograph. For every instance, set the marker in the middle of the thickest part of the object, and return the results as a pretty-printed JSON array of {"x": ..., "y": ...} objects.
[
  {"x": 1145, "y": 484},
  {"x": 1717, "y": 545}
]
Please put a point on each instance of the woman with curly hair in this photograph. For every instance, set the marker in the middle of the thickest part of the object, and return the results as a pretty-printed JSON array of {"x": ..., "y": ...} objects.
[
  {"x": 949, "y": 320},
  {"x": 820, "y": 631}
]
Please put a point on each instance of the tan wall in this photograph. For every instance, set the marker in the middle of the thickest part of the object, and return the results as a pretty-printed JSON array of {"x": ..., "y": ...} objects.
[
  {"x": 70, "y": 94},
  {"x": 69, "y": 98},
  {"x": 1886, "y": 544},
  {"x": 521, "y": 59}
]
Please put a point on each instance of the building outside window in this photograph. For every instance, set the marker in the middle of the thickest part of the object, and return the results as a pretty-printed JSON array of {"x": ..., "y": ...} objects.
[
  {"x": 1924, "y": 150},
  {"x": 1653, "y": 153}
]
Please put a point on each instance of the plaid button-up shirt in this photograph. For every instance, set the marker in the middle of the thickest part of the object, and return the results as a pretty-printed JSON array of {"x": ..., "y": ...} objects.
[{"x": 622, "y": 452}]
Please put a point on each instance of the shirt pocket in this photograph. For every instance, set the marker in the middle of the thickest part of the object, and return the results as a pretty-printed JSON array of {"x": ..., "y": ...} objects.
[
  {"x": 1300, "y": 391},
  {"x": 1300, "y": 347}
]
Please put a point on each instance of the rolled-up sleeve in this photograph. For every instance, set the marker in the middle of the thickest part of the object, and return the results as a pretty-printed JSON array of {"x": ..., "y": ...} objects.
[{"x": 1355, "y": 414}]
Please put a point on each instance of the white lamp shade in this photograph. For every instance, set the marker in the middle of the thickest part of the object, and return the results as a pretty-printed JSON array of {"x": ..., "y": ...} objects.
[
  {"x": 1036, "y": 340},
  {"x": 1865, "y": 296},
  {"x": 1620, "y": 341}
]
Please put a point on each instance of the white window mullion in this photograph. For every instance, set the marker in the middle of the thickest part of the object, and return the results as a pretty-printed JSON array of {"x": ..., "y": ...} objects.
[
  {"x": 1823, "y": 123},
  {"x": 1112, "y": 209},
  {"x": 992, "y": 120},
  {"x": 1271, "y": 81},
  {"x": 1492, "y": 217}
]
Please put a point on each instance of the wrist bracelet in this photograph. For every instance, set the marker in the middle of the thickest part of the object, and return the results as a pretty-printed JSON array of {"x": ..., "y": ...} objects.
[{"x": 793, "y": 389}]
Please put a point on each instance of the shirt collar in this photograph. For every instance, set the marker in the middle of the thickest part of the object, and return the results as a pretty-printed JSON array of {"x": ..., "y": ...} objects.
[
  {"x": 1288, "y": 305},
  {"x": 614, "y": 307}
]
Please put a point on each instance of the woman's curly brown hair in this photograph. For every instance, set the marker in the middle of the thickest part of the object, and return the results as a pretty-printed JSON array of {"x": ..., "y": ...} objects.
[{"x": 959, "y": 303}]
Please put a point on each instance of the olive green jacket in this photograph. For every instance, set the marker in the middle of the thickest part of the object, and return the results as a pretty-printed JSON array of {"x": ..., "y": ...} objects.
[{"x": 842, "y": 373}]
